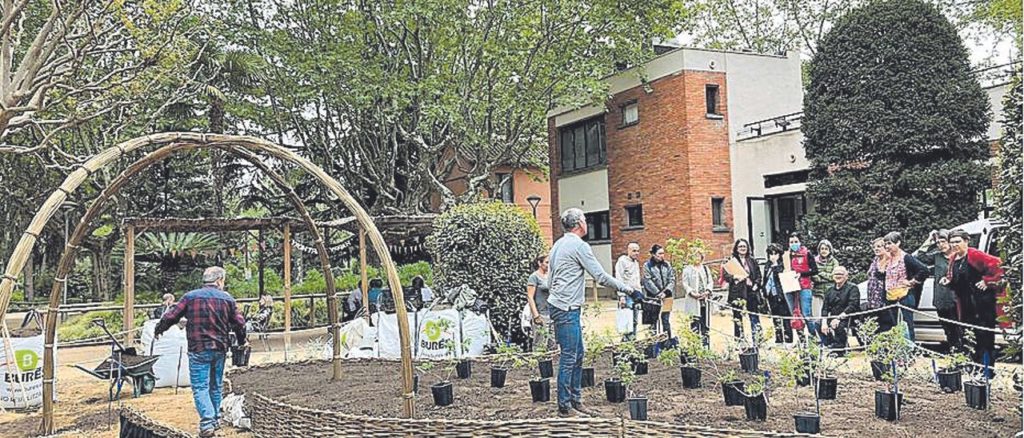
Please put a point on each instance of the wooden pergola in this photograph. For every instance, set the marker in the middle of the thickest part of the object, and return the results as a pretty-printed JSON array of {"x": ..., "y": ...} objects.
[{"x": 395, "y": 229}]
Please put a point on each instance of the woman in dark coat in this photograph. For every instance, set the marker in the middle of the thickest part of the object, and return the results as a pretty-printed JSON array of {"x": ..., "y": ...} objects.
[
  {"x": 772, "y": 292},
  {"x": 936, "y": 253},
  {"x": 744, "y": 290}
]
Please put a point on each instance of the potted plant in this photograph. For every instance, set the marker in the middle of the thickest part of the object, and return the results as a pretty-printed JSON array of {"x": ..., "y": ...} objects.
[
  {"x": 976, "y": 390},
  {"x": 544, "y": 362},
  {"x": 594, "y": 347},
  {"x": 894, "y": 349},
  {"x": 826, "y": 376},
  {"x": 540, "y": 388},
  {"x": 732, "y": 388},
  {"x": 755, "y": 399},
  {"x": 624, "y": 376},
  {"x": 868, "y": 330},
  {"x": 796, "y": 367},
  {"x": 507, "y": 358},
  {"x": 442, "y": 391},
  {"x": 623, "y": 371},
  {"x": 949, "y": 376}
]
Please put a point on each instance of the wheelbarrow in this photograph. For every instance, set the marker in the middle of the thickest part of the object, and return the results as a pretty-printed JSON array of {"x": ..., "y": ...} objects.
[{"x": 124, "y": 365}]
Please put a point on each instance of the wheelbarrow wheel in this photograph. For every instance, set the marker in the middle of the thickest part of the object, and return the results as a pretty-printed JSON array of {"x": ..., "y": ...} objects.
[{"x": 146, "y": 383}]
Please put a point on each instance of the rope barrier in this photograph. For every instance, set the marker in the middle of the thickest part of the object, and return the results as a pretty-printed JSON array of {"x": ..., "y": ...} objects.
[
  {"x": 802, "y": 318},
  {"x": 963, "y": 324}
]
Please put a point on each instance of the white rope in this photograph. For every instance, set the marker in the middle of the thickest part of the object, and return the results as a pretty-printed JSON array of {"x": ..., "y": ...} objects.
[
  {"x": 963, "y": 324},
  {"x": 803, "y": 317}
]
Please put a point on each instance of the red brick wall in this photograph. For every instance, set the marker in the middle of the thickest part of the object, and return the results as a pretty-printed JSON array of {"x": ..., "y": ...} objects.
[{"x": 675, "y": 158}]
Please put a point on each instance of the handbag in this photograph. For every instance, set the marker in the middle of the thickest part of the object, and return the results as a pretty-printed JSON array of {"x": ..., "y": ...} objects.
[
  {"x": 798, "y": 322},
  {"x": 650, "y": 312},
  {"x": 526, "y": 317},
  {"x": 896, "y": 293}
]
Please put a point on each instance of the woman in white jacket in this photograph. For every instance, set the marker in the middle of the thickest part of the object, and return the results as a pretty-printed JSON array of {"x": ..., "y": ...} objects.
[{"x": 697, "y": 285}]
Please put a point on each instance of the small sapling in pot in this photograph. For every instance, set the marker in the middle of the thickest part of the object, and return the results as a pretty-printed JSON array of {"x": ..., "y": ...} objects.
[
  {"x": 593, "y": 347},
  {"x": 949, "y": 377},
  {"x": 892, "y": 348},
  {"x": 755, "y": 399},
  {"x": 623, "y": 372}
]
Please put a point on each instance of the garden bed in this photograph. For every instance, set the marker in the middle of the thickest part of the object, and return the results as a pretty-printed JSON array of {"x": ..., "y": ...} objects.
[{"x": 371, "y": 388}]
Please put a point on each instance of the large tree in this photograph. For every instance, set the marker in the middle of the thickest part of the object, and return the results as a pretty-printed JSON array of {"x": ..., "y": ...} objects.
[
  {"x": 894, "y": 127},
  {"x": 1009, "y": 201},
  {"x": 397, "y": 98}
]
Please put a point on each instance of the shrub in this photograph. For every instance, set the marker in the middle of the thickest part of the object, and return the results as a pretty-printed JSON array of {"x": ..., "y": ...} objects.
[{"x": 489, "y": 247}]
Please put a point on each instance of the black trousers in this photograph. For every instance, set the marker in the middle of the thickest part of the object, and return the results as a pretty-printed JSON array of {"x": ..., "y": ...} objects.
[
  {"x": 837, "y": 338},
  {"x": 783, "y": 330},
  {"x": 954, "y": 333},
  {"x": 980, "y": 309},
  {"x": 699, "y": 324}
]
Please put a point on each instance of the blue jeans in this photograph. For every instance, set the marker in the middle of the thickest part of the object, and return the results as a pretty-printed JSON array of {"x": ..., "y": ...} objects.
[
  {"x": 908, "y": 316},
  {"x": 206, "y": 371},
  {"x": 806, "y": 296},
  {"x": 569, "y": 334}
]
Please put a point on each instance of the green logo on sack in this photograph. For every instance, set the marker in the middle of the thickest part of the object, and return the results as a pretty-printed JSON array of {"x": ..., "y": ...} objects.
[
  {"x": 433, "y": 331},
  {"x": 27, "y": 360}
]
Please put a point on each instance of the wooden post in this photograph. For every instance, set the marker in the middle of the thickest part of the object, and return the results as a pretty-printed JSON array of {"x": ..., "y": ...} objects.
[
  {"x": 312, "y": 312},
  {"x": 259, "y": 257},
  {"x": 129, "y": 284},
  {"x": 362, "y": 273},
  {"x": 287, "y": 286}
]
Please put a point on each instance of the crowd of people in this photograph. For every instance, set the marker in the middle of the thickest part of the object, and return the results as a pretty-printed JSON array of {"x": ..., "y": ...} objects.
[{"x": 806, "y": 294}]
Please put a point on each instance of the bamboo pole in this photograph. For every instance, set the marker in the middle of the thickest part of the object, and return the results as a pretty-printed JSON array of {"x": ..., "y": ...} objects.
[
  {"x": 129, "y": 285},
  {"x": 74, "y": 180},
  {"x": 287, "y": 288},
  {"x": 261, "y": 260},
  {"x": 364, "y": 285}
]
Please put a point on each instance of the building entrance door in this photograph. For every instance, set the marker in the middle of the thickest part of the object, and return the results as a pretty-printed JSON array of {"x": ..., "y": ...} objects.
[{"x": 759, "y": 225}]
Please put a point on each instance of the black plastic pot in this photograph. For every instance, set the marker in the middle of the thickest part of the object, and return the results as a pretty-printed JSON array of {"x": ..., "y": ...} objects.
[
  {"x": 640, "y": 368},
  {"x": 498, "y": 376},
  {"x": 827, "y": 388},
  {"x": 748, "y": 361},
  {"x": 976, "y": 395},
  {"x": 464, "y": 369},
  {"x": 885, "y": 405},
  {"x": 949, "y": 380},
  {"x": 691, "y": 377},
  {"x": 803, "y": 380},
  {"x": 756, "y": 407},
  {"x": 733, "y": 392},
  {"x": 587, "y": 379},
  {"x": 637, "y": 408},
  {"x": 443, "y": 395},
  {"x": 877, "y": 369},
  {"x": 614, "y": 391},
  {"x": 651, "y": 351},
  {"x": 540, "y": 390},
  {"x": 807, "y": 423},
  {"x": 547, "y": 370},
  {"x": 240, "y": 355}
]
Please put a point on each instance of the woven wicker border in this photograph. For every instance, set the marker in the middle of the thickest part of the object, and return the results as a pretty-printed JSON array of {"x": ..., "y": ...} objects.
[{"x": 137, "y": 420}]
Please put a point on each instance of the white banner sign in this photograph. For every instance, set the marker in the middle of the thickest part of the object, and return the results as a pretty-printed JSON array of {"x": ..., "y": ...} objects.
[
  {"x": 22, "y": 385},
  {"x": 437, "y": 334}
]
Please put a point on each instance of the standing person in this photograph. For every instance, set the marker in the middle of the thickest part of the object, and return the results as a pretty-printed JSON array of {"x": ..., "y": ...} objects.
[
  {"x": 212, "y": 315},
  {"x": 943, "y": 298},
  {"x": 537, "y": 297},
  {"x": 627, "y": 270},
  {"x": 903, "y": 279},
  {"x": 260, "y": 321},
  {"x": 876, "y": 286},
  {"x": 826, "y": 262},
  {"x": 744, "y": 289},
  {"x": 166, "y": 304},
  {"x": 697, "y": 286},
  {"x": 570, "y": 257},
  {"x": 841, "y": 299},
  {"x": 976, "y": 277},
  {"x": 803, "y": 264},
  {"x": 659, "y": 280},
  {"x": 426, "y": 295},
  {"x": 772, "y": 287}
]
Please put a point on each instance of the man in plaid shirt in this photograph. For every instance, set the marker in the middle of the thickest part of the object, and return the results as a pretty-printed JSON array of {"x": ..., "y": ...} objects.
[{"x": 212, "y": 315}]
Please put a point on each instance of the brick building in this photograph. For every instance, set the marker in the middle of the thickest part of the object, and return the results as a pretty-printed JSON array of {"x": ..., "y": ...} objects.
[{"x": 654, "y": 161}]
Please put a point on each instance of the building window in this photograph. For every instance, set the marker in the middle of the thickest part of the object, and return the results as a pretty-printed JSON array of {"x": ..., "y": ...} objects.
[
  {"x": 504, "y": 191},
  {"x": 583, "y": 145},
  {"x": 598, "y": 228},
  {"x": 630, "y": 114},
  {"x": 711, "y": 96},
  {"x": 718, "y": 214},
  {"x": 634, "y": 216}
]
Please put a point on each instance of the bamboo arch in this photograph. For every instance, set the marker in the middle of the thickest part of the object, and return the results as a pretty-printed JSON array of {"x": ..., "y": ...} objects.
[{"x": 238, "y": 145}]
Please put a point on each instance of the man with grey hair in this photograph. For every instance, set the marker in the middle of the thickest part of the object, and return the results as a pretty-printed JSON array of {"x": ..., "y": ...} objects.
[
  {"x": 212, "y": 315},
  {"x": 166, "y": 304},
  {"x": 842, "y": 299},
  {"x": 570, "y": 258}
]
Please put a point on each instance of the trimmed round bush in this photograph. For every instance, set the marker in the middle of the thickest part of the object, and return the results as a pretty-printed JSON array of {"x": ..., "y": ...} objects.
[{"x": 489, "y": 247}]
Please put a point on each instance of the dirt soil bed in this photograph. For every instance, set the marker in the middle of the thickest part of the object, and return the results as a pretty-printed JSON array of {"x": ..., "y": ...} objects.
[{"x": 373, "y": 388}]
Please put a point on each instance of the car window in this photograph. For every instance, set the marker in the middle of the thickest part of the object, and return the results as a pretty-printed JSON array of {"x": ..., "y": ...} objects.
[
  {"x": 993, "y": 242},
  {"x": 975, "y": 239}
]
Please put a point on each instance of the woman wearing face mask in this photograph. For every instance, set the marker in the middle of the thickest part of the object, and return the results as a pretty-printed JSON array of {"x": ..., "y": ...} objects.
[
  {"x": 744, "y": 289},
  {"x": 659, "y": 280},
  {"x": 823, "y": 280},
  {"x": 802, "y": 263},
  {"x": 903, "y": 279},
  {"x": 772, "y": 288}
]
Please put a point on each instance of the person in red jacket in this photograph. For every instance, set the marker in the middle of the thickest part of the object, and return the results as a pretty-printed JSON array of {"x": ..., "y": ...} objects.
[
  {"x": 801, "y": 261},
  {"x": 975, "y": 277}
]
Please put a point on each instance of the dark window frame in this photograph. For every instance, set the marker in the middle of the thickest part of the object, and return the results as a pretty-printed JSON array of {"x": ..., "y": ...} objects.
[
  {"x": 719, "y": 222},
  {"x": 713, "y": 101},
  {"x": 630, "y": 209},
  {"x": 596, "y": 233},
  {"x": 622, "y": 114},
  {"x": 594, "y": 148}
]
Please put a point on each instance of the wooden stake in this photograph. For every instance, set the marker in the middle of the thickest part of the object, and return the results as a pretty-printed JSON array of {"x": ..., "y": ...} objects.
[
  {"x": 362, "y": 273},
  {"x": 129, "y": 285},
  {"x": 287, "y": 288}
]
